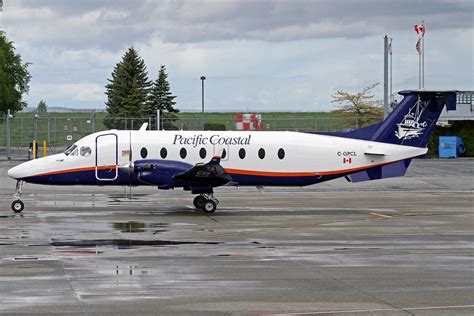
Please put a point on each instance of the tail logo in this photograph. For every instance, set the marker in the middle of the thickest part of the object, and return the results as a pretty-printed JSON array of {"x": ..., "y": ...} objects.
[{"x": 411, "y": 127}]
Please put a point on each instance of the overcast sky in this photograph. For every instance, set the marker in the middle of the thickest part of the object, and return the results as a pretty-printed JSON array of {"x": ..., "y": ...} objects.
[{"x": 256, "y": 54}]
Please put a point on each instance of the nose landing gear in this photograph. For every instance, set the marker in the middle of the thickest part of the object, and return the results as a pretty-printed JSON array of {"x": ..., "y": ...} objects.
[
  {"x": 18, "y": 205},
  {"x": 206, "y": 202}
]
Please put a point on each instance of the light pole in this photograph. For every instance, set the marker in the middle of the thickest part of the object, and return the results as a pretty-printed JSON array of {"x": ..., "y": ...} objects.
[
  {"x": 202, "y": 94},
  {"x": 385, "y": 76}
]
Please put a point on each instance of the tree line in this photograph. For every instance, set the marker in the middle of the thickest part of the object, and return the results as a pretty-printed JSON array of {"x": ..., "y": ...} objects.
[{"x": 130, "y": 94}]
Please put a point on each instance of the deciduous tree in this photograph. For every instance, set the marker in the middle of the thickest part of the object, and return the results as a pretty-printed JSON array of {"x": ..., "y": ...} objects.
[
  {"x": 359, "y": 105},
  {"x": 14, "y": 77}
]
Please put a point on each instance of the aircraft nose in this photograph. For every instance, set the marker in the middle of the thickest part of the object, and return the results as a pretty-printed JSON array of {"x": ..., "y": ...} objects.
[{"x": 14, "y": 172}]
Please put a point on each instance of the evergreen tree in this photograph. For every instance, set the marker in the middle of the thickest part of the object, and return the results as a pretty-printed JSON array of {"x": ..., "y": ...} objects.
[
  {"x": 127, "y": 91},
  {"x": 42, "y": 107},
  {"x": 14, "y": 77},
  {"x": 161, "y": 99}
]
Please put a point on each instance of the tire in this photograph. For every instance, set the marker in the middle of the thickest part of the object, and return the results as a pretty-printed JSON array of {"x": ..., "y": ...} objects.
[
  {"x": 199, "y": 202},
  {"x": 209, "y": 207},
  {"x": 17, "y": 206}
]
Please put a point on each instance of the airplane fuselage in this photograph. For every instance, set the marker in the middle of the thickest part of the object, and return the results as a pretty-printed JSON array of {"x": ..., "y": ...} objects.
[{"x": 250, "y": 158}]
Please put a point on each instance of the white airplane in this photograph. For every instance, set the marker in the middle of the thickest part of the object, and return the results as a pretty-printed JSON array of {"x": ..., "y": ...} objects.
[{"x": 199, "y": 161}]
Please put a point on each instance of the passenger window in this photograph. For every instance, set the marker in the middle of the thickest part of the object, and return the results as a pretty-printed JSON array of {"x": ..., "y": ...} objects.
[
  {"x": 261, "y": 153},
  {"x": 85, "y": 151},
  {"x": 202, "y": 153},
  {"x": 183, "y": 153},
  {"x": 281, "y": 153},
  {"x": 242, "y": 153},
  {"x": 144, "y": 152},
  {"x": 163, "y": 153},
  {"x": 224, "y": 154}
]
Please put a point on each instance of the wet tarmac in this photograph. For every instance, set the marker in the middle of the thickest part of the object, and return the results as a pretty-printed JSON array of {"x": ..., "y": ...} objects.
[{"x": 400, "y": 246}]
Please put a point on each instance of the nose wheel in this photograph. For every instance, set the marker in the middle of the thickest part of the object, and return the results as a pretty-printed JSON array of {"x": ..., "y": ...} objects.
[
  {"x": 18, "y": 205},
  {"x": 205, "y": 202}
]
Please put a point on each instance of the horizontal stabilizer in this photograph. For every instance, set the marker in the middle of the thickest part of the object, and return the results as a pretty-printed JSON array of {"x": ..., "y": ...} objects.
[
  {"x": 374, "y": 153},
  {"x": 396, "y": 169}
]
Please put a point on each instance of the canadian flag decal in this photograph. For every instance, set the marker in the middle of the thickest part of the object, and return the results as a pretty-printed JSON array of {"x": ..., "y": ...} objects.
[{"x": 347, "y": 160}]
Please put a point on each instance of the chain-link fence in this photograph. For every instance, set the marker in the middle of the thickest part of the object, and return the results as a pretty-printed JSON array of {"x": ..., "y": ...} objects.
[{"x": 59, "y": 130}]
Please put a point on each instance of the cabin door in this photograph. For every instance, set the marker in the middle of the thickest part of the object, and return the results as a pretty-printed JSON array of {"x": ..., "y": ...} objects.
[{"x": 106, "y": 157}]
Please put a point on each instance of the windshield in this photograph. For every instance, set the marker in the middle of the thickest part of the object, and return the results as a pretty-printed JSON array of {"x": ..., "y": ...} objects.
[{"x": 70, "y": 149}]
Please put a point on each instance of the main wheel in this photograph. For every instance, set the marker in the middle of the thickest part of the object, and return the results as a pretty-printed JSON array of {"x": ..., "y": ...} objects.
[
  {"x": 17, "y": 206},
  {"x": 199, "y": 202},
  {"x": 209, "y": 207}
]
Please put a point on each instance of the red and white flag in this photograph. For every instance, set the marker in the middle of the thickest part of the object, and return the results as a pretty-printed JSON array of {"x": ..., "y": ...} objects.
[
  {"x": 420, "y": 29},
  {"x": 418, "y": 46}
]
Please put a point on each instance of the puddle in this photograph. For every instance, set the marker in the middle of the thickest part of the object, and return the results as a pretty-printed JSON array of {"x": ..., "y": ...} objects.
[
  {"x": 238, "y": 254},
  {"x": 13, "y": 215},
  {"x": 130, "y": 227},
  {"x": 125, "y": 243},
  {"x": 138, "y": 227},
  {"x": 25, "y": 258},
  {"x": 78, "y": 251}
]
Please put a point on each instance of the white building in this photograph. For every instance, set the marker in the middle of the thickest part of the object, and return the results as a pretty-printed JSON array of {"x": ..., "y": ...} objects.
[{"x": 464, "y": 108}]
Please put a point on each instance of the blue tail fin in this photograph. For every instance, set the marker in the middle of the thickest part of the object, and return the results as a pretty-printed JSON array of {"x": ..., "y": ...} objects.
[{"x": 412, "y": 122}]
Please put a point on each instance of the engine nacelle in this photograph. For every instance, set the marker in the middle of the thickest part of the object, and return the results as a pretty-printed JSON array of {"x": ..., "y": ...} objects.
[{"x": 160, "y": 172}]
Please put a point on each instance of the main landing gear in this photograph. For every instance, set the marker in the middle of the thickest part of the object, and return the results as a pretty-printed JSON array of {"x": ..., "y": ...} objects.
[
  {"x": 18, "y": 205},
  {"x": 206, "y": 202}
]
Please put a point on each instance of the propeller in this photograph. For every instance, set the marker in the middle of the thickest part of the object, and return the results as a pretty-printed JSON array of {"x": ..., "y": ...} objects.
[
  {"x": 128, "y": 167},
  {"x": 130, "y": 164}
]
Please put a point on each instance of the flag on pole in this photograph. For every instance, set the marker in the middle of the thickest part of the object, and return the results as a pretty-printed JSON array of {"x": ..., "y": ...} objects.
[
  {"x": 420, "y": 29},
  {"x": 389, "y": 48},
  {"x": 418, "y": 46}
]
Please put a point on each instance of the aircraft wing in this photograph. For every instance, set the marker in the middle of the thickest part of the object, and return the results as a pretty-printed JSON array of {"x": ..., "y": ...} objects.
[
  {"x": 210, "y": 174},
  {"x": 168, "y": 174}
]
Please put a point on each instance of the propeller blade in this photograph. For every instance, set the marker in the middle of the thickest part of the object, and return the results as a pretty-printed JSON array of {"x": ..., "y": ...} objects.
[
  {"x": 130, "y": 164},
  {"x": 130, "y": 147}
]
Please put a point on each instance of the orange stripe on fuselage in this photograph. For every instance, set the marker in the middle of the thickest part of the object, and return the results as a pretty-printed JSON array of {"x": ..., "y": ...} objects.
[
  {"x": 72, "y": 170},
  {"x": 303, "y": 174},
  {"x": 270, "y": 173}
]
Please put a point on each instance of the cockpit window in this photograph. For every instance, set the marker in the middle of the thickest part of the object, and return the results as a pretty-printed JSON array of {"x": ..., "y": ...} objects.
[
  {"x": 74, "y": 152},
  {"x": 70, "y": 149},
  {"x": 85, "y": 151}
]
